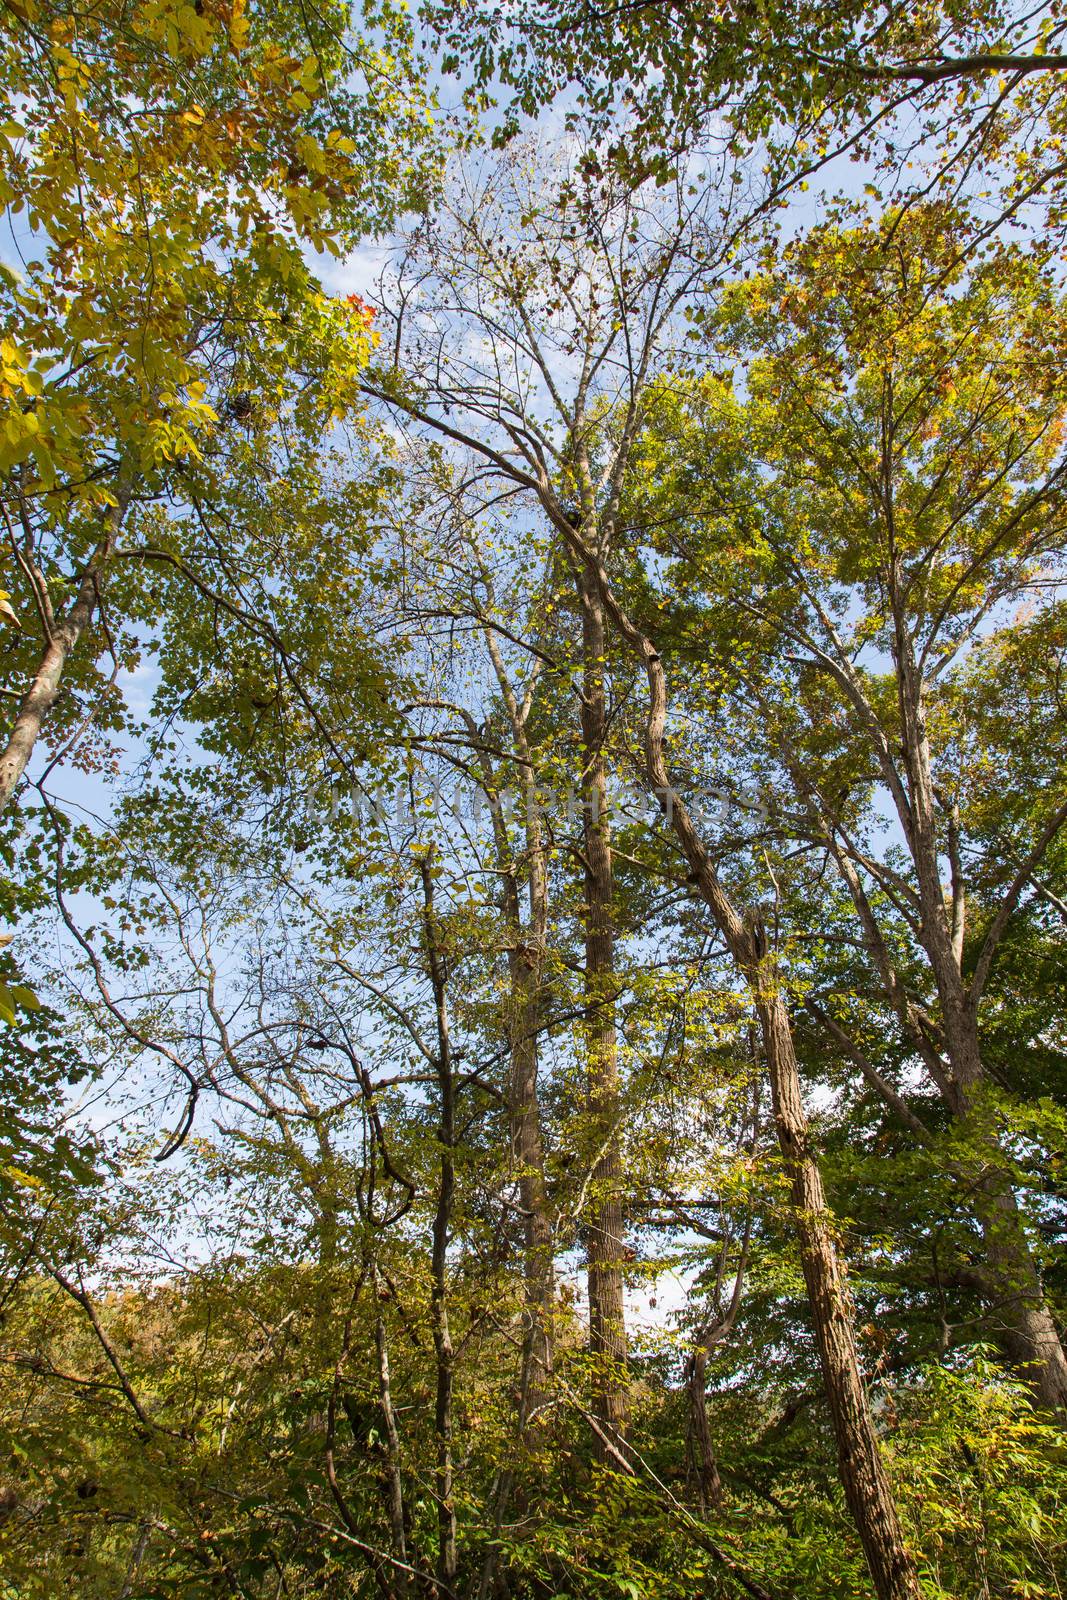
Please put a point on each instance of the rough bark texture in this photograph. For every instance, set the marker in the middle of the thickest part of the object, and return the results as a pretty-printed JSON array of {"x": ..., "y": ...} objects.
[
  {"x": 867, "y": 1491},
  {"x": 709, "y": 1483},
  {"x": 949, "y": 1045},
  {"x": 869, "y": 1496},
  {"x": 605, "y": 1250}
]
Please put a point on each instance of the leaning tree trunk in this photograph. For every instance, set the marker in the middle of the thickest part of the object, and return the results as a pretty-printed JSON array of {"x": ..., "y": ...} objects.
[
  {"x": 863, "y": 1478},
  {"x": 63, "y": 634},
  {"x": 867, "y": 1491}
]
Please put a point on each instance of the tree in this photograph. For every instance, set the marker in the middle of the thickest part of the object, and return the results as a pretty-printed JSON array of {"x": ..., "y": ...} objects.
[
  {"x": 956, "y": 95},
  {"x": 915, "y": 447},
  {"x": 620, "y": 286},
  {"x": 170, "y": 165}
]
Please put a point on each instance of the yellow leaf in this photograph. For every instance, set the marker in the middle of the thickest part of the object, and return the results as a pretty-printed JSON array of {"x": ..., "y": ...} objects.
[
  {"x": 26, "y": 1179},
  {"x": 238, "y": 25}
]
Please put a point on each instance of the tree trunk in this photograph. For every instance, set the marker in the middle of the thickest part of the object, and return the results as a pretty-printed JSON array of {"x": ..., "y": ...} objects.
[
  {"x": 605, "y": 1249},
  {"x": 1022, "y": 1322},
  {"x": 528, "y": 1154},
  {"x": 394, "y": 1483},
  {"x": 1024, "y": 1325},
  {"x": 709, "y": 1482},
  {"x": 65, "y": 632},
  {"x": 867, "y": 1491},
  {"x": 526, "y": 955},
  {"x": 716, "y": 1327},
  {"x": 524, "y": 1119},
  {"x": 442, "y": 1337}
]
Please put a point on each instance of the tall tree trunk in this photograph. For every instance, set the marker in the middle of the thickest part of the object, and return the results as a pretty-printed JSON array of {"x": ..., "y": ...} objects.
[
  {"x": 867, "y": 1490},
  {"x": 863, "y": 1479},
  {"x": 605, "y": 1249},
  {"x": 706, "y": 1466},
  {"x": 394, "y": 1482},
  {"x": 447, "y": 1558},
  {"x": 1022, "y": 1322},
  {"x": 526, "y": 958},
  {"x": 524, "y": 1119},
  {"x": 950, "y": 1047},
  {"x": 716, "y": 1327},
  {"x": 1024, "y": 1325}
]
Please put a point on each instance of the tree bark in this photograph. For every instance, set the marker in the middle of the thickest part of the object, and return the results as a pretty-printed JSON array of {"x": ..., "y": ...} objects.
[
  {"x": 605, "y": 1248},
  {"x": 950, "y": 1047},
  {"x": 528, "y": 1154},
  {"x": 1025, "y": 1327},
  {"x": 872, "y": 1503},
  {"x": 867, "y": 1491},
  {"x": 716, "y": 1327},
  {"x": 394, "y": 1485},
  {"x": 709, "y": 1482},
  {"x": 62, "y": 638},
  {"x": 447, "y": 1558},
  {"x": 526, "y": 963},
  {"x": 526, "y": 959},
  {"x": 1023, "y": 1324}
]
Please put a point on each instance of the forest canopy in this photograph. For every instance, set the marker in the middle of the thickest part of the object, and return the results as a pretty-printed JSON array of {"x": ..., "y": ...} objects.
[{"x": 533, "y": 822}]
